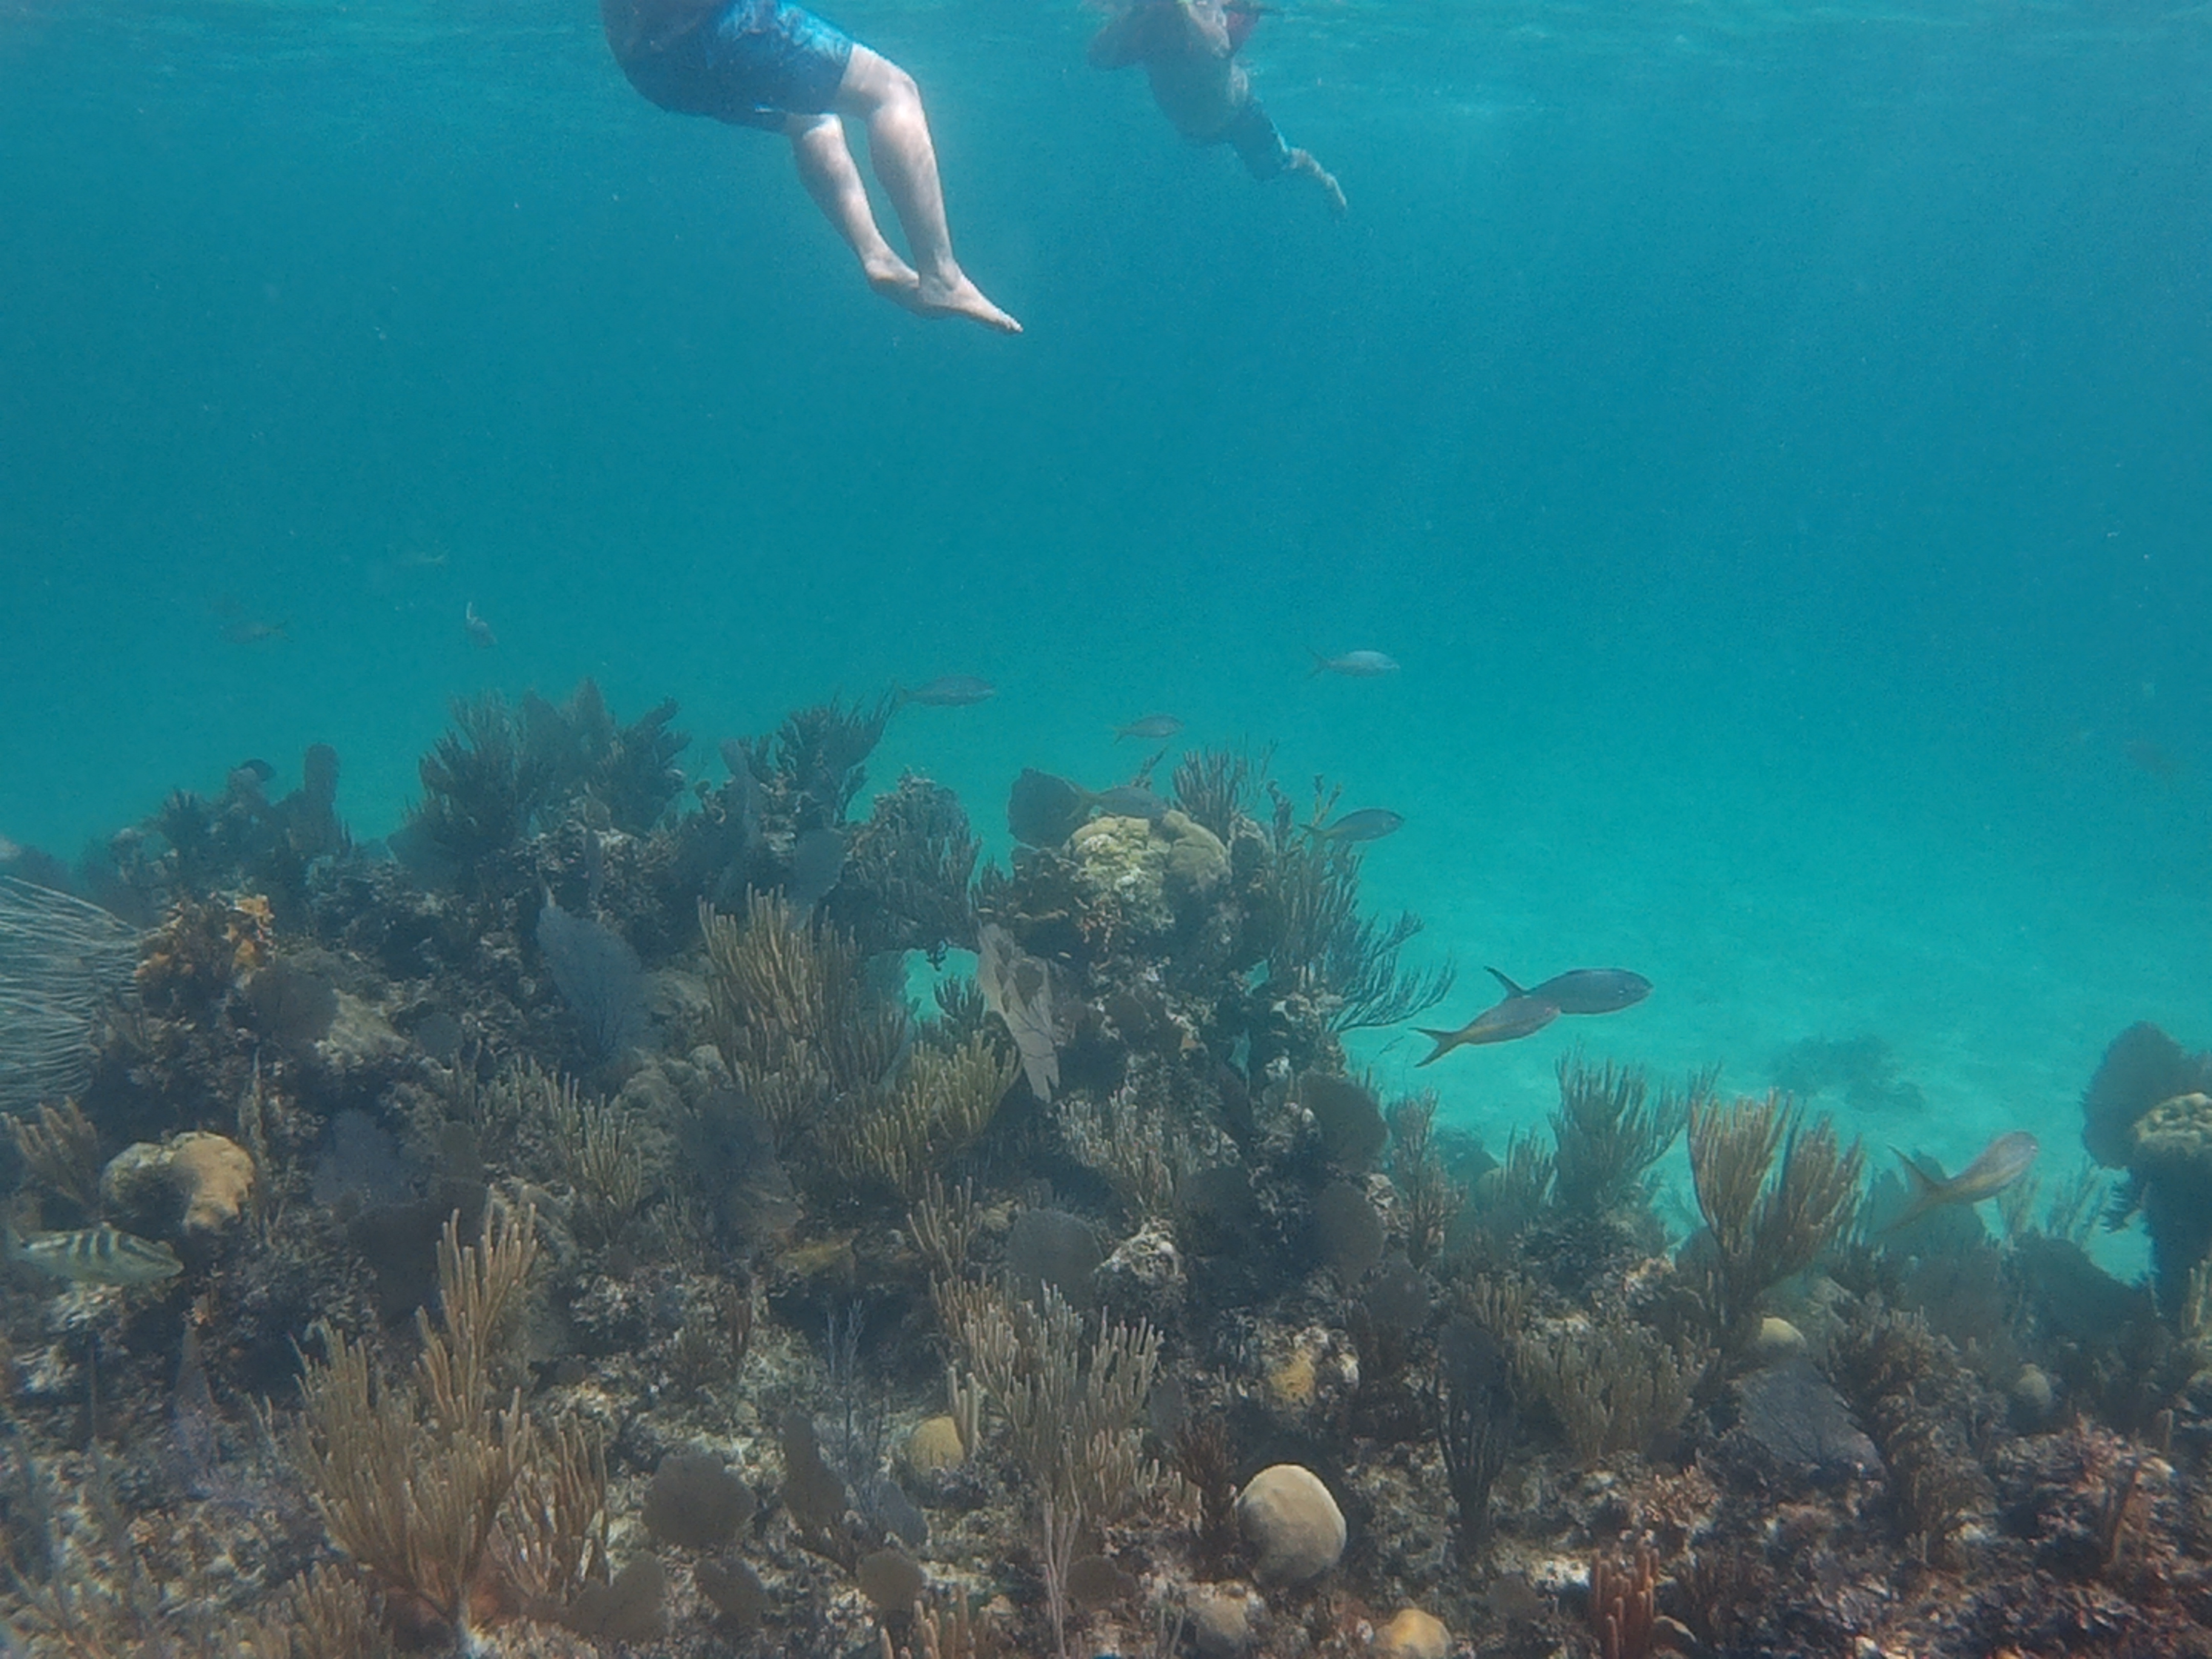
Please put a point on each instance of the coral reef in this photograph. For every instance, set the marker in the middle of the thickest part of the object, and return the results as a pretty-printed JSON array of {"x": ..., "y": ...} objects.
[{"x": 583, "y": 1245}]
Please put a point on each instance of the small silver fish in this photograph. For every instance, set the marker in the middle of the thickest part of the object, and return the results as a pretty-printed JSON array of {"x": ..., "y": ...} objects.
[
  {"x": 1367, "y": 824},
  {"x": 98, "y": 1255},
  {"x": 947, "y": 691},
  {"x": 2002, "y": 1161},
  {"x": 478, "y": 630},
  {"x": 1353, "y": 665},
  {"x": 1152, "y": 727}
]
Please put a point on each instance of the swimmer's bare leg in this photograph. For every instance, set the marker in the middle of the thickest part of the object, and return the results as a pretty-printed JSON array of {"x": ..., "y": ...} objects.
[
  {"x": 878, "y": 92},
  {"x": 826, "y": 168},
  {"x": 1303, "y": 163}
]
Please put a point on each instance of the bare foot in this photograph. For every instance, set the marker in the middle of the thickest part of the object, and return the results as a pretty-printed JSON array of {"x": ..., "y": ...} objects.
[
  {"x": 895, "y": 279},
  {"x": 961, "y": 298}
]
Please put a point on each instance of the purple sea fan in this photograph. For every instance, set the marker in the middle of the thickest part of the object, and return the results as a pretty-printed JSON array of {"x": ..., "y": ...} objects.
[{"x": 599, "y": 974}]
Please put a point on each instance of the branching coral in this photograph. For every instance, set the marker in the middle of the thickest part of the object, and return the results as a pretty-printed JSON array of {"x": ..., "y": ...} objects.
[
  {"x": 1920, "y": 1405},
  {"x": 60, "y": 1147},
  {"x": 1321, "y": 943},
  {"x": 1431, "y": 1198},
  {"x": 817, "y": 752},
  {"x": 942, "y": 1101},
  {"x": 1474, "y": 1413},
  {"x": 1767, "y": 1223},
  {"x": 1613, "y": 1386},
  {"x": 482, "y": 785},
  {"x": 1624, "y": 1603},
  {"x": 1610, "y": 1130},
  {"x": 1215, "y": 786},
  {"x": 602, "y": 1156},
  {"x": 327, "y": 1612},
  {"x": 793, "y": 1013},
  {"x": 412, "y": 1477},
  {"x": 627, "y": 773},
  {"x": 907, "y": 873},
  {"x": 1071, "y": 1407}
]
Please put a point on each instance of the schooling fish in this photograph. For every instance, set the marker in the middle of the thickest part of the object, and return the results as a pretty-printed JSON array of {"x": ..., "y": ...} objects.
[
  {"x": 947, "y": 691},
  {"x": 478, "y": 630},
  {"x": 98, "y": 1255},
  {"x": 2002, "y": 1161},
  {"x": 1367, "y": 824},
  {"x": 1154, "y": 728},
  {"x": 1516, "y": 1017},
  {"x": 1353, "y": 665},
  {"x": 1584, "y": 990}
]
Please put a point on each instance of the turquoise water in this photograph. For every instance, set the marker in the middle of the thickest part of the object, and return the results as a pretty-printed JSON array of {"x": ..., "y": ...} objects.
[{"x": 1776, "y": 443}]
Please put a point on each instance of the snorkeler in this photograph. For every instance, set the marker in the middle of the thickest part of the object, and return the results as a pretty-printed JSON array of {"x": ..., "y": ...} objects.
[
  {"x": 770, "y": 64},
  {"x": 1189, "y": 49}
]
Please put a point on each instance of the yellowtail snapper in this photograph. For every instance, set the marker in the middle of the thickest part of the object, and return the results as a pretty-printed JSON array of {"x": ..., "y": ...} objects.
[
  {"x": 2002, "y": 1161},
  {"x": 1153, "y": 728}
]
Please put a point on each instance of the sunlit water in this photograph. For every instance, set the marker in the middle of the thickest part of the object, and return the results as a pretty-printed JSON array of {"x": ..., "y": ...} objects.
[{"x": 1776, "y": 443}]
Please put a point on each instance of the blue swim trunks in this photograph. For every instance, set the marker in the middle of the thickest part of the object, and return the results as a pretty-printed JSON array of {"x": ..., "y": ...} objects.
[{"x": 751, "y": 63}]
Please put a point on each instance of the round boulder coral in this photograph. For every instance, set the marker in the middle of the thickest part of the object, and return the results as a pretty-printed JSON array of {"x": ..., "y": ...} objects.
[
  {"x": 195, "y": 1181},
  {"x": 1142, "y": 876},
  {"x": 1290, "y": 1523},
  {"x": 1413, "y": 1635}
]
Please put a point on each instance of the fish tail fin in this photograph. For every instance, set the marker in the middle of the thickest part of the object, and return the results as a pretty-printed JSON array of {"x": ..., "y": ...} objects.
[
  {"x": 1320, "y": 664},
  {"x": 1925, "y": 1192},
  {"x": 1511, "y": 990},
  {"x": 1445, "y": 1042}
]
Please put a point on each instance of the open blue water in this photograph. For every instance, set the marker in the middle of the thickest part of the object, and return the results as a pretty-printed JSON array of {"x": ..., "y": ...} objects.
[{"x": 1776, "y": 442}]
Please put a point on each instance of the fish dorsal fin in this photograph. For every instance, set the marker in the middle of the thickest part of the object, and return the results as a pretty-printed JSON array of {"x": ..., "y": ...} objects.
[{"x": 1511, "y": 990}]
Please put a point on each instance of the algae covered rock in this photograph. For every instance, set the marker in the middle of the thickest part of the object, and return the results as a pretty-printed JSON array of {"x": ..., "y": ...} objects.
[
  {"x": 1292, "y": 1525},
  {"x": 197, "y": 1181},
  {"x": 1144, "y": 876}
]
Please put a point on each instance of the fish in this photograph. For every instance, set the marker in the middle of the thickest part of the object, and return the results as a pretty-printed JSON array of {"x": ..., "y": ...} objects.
[
  {"x": 946, "y": 692},
  {"x": 1367, "y": 824},
  {"x": 256, "y": 633},
  {"x": 1153, "y": 728},
  {"x": 1584, "y": 990},
  {"x": 478, "y": 630},
  {"x": 1516, "y": 1017},
  {"x": 98, "y": 1255},
  {"x": 1125, "y": 800},
  {"x": 1353, "y": 665},
  {"x": 2001, "y": 1163}
]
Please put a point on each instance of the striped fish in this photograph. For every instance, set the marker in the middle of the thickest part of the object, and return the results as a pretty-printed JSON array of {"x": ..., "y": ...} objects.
[{"x": 98, "y": 1255}]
